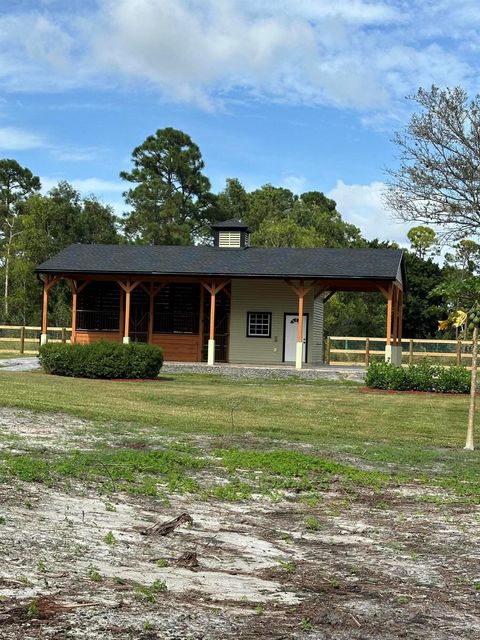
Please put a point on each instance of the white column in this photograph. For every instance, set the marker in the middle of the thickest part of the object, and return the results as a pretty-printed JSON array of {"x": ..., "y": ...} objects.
[
  {"x": 299, "y": 355},
  {"x": 126, "y": 339},
  {"x": 393, "y": 354},
  {"x": 43, "y": 339},
  {"x": 211, "y": 352}
]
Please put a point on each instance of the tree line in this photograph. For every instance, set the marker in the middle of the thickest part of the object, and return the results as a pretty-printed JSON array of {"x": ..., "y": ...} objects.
[{"x": 170, "y": 201}]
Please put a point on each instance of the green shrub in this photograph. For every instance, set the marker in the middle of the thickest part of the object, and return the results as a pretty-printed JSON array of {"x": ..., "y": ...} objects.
[
  {"x": 102, "y": 360},
  {"x": 419, "y": 377}
]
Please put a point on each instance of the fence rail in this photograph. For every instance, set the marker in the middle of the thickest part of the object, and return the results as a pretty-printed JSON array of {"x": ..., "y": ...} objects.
[
  {"x": 25, "y": 340},
  {"x": 347, "y": 350}
]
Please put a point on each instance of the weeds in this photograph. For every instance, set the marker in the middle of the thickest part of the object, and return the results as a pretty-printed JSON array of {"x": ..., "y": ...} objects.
[
  {"x": 312, "y": 523},
  {"x": 110, "y": 539},
  {"x": 150, "y": 593},
  {"x": 93, "y": 574}
]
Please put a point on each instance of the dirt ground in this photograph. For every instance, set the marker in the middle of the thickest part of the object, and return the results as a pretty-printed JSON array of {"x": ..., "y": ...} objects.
[{"x": 75, "y": 564}]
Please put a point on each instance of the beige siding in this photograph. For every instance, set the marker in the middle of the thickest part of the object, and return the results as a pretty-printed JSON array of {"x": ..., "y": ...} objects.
[{"x": 276, "y": 297}]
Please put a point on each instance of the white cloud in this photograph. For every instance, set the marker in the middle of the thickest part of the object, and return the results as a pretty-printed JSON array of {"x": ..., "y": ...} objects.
[
  {"x": 362, "y": 205},
  {"x": 13, "y": 139},
  {"x": 357, "y": 54},
  {"x": 85, "y": 186},
  {"x": 296, "y": 184}
]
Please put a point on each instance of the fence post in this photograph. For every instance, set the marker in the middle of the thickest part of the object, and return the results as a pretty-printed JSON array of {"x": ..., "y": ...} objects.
[
  {"x": 410, "y": 353},
  {"x": 22, "y": 339},
  {"x": 367, "y": 351},
  {"x": 327, "y": 351},
  {"x": 459, "y": 352},
  {"x": 64, "y": 335}
]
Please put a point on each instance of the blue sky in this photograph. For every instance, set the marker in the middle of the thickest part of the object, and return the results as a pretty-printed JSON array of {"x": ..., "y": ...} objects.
[{"x": 299, "y": 93}]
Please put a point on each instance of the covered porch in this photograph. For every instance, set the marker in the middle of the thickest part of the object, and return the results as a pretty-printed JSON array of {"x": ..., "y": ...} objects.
[{"x": 198, "y": 319}]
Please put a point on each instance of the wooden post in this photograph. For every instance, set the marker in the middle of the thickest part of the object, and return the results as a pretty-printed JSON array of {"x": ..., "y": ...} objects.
[
  {"x": 126, "y": 333},
  {"x": 367, "y": 351},
  {"x": 73, "y": 337},
  {"x": 212, "y": 312},
  {"x": 300, "y": 319},
  {"x": 22, "y": 339},
  {"x": 327, "y": 350},
  {"x": 128, "y": 287},
  {"x": 64, "y": 335},
  {"x": 47, "y": 285},
  {"x": 410, "y": 353},
  {"x": 213, "y": 289},
  {"x": 201, "y": 323},
  {"x": 45, "y": 312},
  {"x": 459, "y": 352}
]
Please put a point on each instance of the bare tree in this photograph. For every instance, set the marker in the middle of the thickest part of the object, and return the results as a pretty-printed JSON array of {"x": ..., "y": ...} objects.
[{"x": 437, "y": 180}]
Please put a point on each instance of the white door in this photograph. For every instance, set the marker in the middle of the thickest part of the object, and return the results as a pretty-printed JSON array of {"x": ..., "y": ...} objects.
[{"x": 291, "y": 329}]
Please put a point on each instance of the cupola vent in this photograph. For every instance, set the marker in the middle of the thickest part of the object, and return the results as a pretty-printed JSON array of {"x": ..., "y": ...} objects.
[{"x": 231, "y": 234}]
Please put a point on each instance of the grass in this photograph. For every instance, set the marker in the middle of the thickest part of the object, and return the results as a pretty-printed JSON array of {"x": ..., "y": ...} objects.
[
  {"x": 366, "y": 440},
  {"x": 186, "y": 404}
]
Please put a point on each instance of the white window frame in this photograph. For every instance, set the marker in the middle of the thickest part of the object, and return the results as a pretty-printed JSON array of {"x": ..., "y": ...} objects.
[{"x": 254, "y": 324}]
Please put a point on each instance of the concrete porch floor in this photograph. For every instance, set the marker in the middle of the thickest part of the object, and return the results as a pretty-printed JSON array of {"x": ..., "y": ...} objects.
[{"x": 308, "y": 372}]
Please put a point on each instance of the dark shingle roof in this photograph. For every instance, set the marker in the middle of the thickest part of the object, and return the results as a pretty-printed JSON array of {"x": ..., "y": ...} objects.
[
  {"x": 213, "y": 261},
  {"x": 233, "y": 223}
]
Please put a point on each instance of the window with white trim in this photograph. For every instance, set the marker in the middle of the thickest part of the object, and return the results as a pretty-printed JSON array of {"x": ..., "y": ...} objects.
[{"x": 259, "y": 324}]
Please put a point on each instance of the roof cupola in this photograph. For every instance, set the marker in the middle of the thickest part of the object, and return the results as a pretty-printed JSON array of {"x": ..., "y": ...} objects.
[{"x": 231, "y": 234}]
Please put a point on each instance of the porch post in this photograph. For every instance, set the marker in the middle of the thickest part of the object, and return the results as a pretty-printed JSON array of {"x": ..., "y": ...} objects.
[
  {"x": 47, "y": 285},
  {"x": 73, "y": 337},
  {"x": 393, "y": 350},
  {"x": 211, "y": 340},
  {"x": 44, "y": 337},
  {"x": 126, "y": 333},
  {"x": 299, "y": 351}
]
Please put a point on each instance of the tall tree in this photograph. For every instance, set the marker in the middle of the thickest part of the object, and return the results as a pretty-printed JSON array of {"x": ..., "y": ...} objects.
[
  {"x": 277, "y": 217},
  {"x": 171, "y": 201},
  {"x": 50, "y": 223},
  {"x": 233, "y": 201},
  {"x": 422, "y": 240},
  {"x": 16, "y": 184},
  {"x": 437, "y": 179}
]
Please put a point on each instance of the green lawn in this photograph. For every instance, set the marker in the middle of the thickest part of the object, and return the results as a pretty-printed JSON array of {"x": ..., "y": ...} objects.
[{"x": 406, "y": 435}]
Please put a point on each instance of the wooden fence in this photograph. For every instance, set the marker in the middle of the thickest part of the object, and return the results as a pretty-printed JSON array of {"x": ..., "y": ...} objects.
[
  {"x": 348, "y": 350},
  {"x": 26, "y": 340}
]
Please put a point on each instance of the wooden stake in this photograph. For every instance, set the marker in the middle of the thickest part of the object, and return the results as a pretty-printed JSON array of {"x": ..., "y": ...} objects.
[
  {"x": 473, "y": 392},
  {"x": 367, "y": 351}
]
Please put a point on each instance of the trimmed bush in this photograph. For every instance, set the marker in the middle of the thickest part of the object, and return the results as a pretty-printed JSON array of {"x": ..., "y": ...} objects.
[
  {"x": 419, "y": 377},
  {"x": 102, "y": 360}
]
